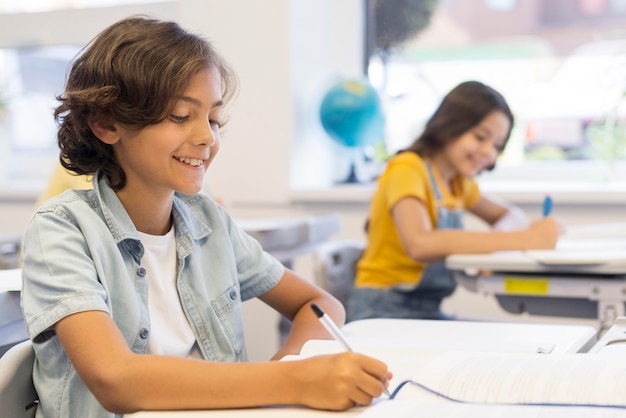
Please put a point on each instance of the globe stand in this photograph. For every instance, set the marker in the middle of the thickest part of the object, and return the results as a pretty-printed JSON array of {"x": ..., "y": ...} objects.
[{"x": 352, "y": 178}]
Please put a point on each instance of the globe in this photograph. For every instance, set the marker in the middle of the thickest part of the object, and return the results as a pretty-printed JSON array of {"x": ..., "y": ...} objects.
[{"x": 351, "y": 114}]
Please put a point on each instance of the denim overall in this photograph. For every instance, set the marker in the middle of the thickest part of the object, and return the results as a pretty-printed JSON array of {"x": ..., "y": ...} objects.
[{"x": 421, "y": 302}]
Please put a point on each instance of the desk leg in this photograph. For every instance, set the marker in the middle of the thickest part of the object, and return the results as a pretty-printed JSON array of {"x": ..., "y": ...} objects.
[{"x": 608, "y": 312}]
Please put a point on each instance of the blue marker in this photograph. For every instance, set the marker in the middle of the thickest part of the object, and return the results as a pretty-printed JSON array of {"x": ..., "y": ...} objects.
[{"x": 547, "y": 206}]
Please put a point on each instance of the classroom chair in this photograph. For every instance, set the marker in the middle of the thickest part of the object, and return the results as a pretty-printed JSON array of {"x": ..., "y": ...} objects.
[
  {"x": 18, "y": 397},
  {"x": 334, "y": 265}
]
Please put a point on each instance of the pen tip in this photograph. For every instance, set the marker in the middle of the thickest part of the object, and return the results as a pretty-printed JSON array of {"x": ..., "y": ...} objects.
[{"x": 317, "y": 310}]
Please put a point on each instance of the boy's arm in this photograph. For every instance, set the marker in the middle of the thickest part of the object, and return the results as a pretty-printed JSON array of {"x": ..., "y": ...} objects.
[
  {"x": 292, "y": 297},
  {"x": 124, "y": 382}
]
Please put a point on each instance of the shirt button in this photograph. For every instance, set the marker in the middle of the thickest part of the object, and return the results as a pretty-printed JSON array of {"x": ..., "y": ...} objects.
[
  {"x": 233, "y": 294},
  {"x": 144, "y": 333},
  {"x": 141, "y": 272}
]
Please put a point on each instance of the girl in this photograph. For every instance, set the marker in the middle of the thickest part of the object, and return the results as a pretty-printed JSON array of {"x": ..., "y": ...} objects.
[
  {"x": 132, "y": 291},
  {"x": 416, "y": 213}
]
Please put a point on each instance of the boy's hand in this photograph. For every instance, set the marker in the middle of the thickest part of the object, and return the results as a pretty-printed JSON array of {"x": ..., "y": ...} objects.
[{"x": 341, "y": 381}]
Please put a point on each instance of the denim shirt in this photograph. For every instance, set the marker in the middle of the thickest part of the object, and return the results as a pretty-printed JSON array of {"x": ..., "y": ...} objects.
[{"x": 81, "y": 252}]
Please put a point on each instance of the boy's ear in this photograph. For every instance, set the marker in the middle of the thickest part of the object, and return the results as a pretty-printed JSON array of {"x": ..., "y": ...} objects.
[{"x": 105, "y": 130}]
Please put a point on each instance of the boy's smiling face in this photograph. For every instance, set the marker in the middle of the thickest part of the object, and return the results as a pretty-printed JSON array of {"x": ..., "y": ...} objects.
[{"x": 174, "y": 155}]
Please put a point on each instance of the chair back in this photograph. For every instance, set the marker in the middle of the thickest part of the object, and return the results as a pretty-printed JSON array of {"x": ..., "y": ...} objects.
[
  {"x": 335, "y": 266},
  {"x": 18, "y": 397}
]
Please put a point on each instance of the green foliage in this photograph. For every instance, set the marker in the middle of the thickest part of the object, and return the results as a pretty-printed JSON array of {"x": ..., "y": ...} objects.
[
  {"x": 380, "y": 151},
  {"x": 400, "y": 20},
  {"x": 608, "y": 139},
  {"x": 546, "y": 153}
]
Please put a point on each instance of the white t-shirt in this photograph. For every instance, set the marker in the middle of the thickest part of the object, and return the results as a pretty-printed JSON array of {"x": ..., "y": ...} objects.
[{"x": 170, "y": 333}]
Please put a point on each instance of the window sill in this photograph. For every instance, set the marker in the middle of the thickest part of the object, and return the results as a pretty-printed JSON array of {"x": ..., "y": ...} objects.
[
  {"x": 576, "y": 193},
  {"x": 572, "y": 193},
  {"x": 28, "y": 193}
]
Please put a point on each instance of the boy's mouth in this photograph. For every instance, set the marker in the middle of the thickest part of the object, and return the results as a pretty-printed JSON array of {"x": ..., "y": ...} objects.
[{"x": 194, "y": 162}]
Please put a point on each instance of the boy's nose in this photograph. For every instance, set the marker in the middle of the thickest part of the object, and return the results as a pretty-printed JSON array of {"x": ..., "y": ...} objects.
[{"x": 204, "y": 135}]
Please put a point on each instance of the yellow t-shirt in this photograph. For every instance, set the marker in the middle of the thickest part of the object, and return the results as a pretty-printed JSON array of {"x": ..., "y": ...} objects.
[{"x": 384, "y": 263}]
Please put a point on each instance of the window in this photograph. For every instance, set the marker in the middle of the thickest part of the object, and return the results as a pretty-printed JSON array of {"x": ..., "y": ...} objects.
[
  {"x": 38, "y": 6},
  {"x": 36, "y": 46},
  {"x": 32, "y": 77},
  {"x": 559, "y": 63}
]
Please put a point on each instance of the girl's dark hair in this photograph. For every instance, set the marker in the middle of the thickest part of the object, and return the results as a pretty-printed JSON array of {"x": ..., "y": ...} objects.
[
  {"x": 130, "y": 73},
  {"x": 460, "y": 110}
]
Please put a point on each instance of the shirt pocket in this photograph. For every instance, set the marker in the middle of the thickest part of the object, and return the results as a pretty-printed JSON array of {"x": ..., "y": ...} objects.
[{"x": 229, "y": 313}]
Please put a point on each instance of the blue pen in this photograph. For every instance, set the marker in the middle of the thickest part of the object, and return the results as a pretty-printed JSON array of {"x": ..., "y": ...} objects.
[{"x": 547, "y": 206}]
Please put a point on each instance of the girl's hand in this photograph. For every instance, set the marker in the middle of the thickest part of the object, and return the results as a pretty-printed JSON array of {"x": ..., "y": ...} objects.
[
  {"x": 543, "y": 234},
  {"x": 341, "y": 381}
]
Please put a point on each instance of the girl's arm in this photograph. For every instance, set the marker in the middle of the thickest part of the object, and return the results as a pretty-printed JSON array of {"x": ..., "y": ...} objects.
[
  {"x": 424, "y": 244},
  {"x": 500, "y": 215},
  {"x": 124, "y": 382},
  {"x": 489, "y": 210}
]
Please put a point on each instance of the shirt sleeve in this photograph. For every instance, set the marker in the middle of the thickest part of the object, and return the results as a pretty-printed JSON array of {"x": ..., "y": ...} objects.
[
  {"x": 58, "y": 276},
  {"x": 257, "y": 270},
  {"x": 404, "y": 181}
]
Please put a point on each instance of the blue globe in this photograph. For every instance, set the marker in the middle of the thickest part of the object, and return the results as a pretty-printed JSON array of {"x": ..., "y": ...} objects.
[{"x": 352, "y": 115}]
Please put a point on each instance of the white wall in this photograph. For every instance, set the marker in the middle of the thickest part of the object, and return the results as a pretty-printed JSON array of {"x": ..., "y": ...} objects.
[{"x": 284, "y": 52}]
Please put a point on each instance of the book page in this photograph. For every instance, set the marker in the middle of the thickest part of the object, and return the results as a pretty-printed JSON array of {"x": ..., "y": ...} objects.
[{"x": 522, "y": 378}]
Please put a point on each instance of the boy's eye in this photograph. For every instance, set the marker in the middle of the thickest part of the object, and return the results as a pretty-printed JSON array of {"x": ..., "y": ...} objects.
[{"x": 178, "y": 119}]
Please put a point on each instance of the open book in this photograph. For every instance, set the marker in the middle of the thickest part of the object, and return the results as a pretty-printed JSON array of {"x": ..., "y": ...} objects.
[
  {"x": 489, "y": 384},
  {"x": 504, "y": 382}
]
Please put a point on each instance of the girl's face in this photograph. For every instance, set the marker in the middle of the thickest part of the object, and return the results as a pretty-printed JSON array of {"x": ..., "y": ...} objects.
[
  {"x": 478, "y": 148},
  {"x": 174, "y": 155}
]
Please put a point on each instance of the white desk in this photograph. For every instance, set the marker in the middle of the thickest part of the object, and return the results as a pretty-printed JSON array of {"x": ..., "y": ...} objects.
[
  {"x": 475, "y": 335},
  {"x": 584, "y": 278},
  {"x": 12, "y": 328},
  {"x": 410, "y": 336},
  {"x": 278, "y": 412}
]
